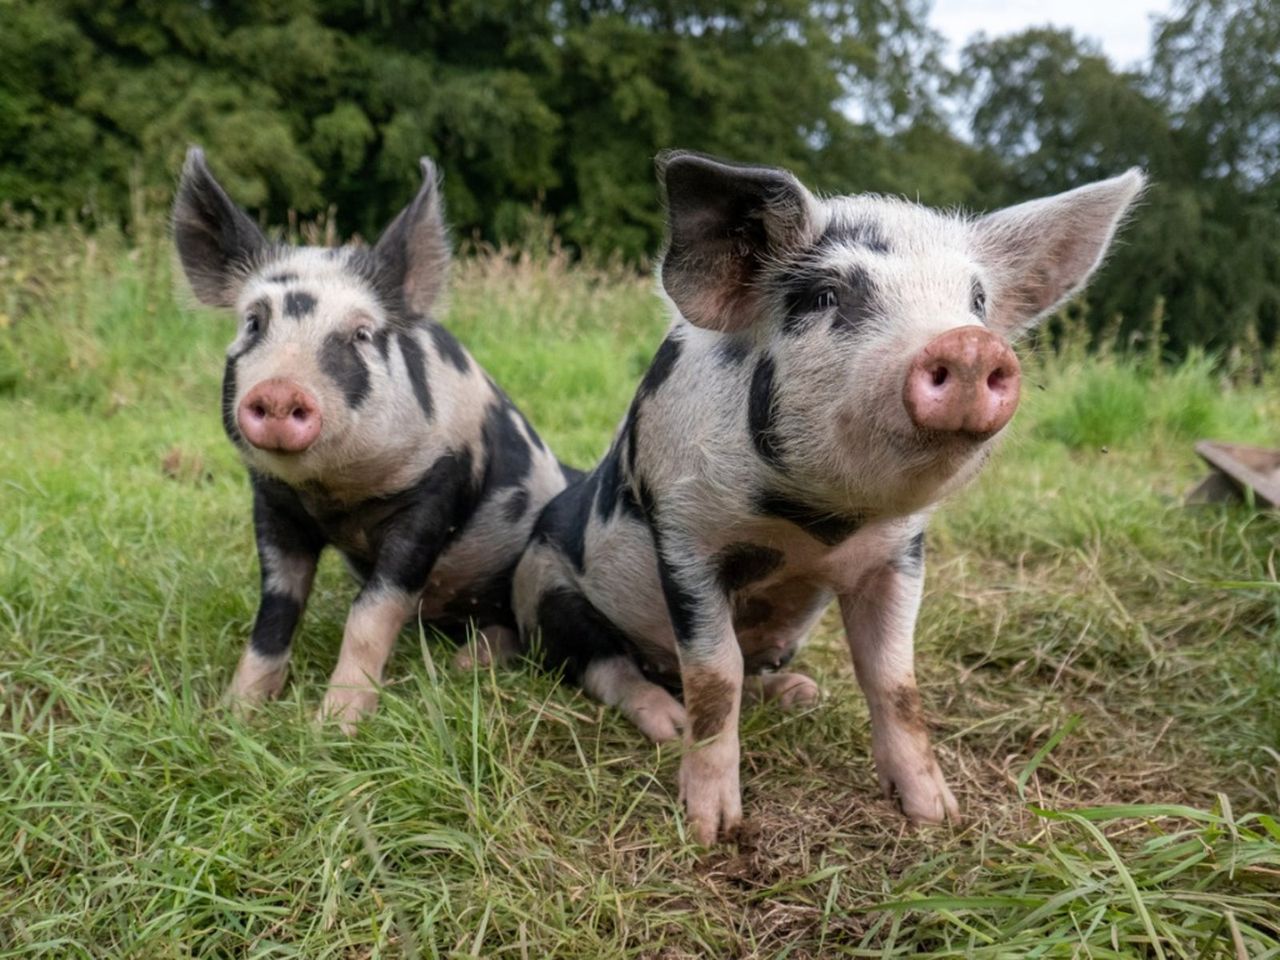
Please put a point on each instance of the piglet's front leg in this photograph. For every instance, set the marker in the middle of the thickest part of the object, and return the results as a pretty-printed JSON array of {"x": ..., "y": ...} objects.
[
  {"x": 709, "y": 781},
  {"x": 410, "y": 546},
  {"x": 879, "y": 623},
  {"x": 367, "y": 641},
  {"x": 711, "y": 675}
]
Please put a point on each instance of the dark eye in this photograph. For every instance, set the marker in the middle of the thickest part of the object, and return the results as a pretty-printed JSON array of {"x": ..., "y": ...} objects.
[
  {"x": 363, "y": 335},
  {"x": 978, "y": 300},
  {"x": 826, "y": 299},
  {"x": 252, "y": 323}
]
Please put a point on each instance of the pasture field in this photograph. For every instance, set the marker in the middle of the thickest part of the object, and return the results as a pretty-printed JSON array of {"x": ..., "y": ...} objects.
[{"x": 1100, "y": 667}]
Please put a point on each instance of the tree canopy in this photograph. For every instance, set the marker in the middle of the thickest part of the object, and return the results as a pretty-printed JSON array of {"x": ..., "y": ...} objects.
[{"x": 555, "y": 110}]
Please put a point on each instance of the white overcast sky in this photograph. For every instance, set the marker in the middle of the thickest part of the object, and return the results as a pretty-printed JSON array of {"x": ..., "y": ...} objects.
[{"x": 1122, "y": 26}]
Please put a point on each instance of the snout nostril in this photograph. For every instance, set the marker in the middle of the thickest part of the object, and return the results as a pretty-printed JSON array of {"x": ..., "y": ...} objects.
[
  {"x": 299, "y": 414},
  {"x": 259, "y": 411},
  {"x": 996, "y": 380},
  {"x": 939, "y": 376}
]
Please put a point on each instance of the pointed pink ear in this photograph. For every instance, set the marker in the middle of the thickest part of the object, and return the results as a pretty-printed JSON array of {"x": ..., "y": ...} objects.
[
  {"x": 217, "y": 241},
  {"x": 1041, "y": 252},
  {"x": 413, "y": 251},
  {"x": 725, "y": 223}
]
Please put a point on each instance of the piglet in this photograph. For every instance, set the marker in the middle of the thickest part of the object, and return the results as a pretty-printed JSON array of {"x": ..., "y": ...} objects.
[
  {"x": 365, "y": 425},
  {"x": 835, "y": 369}
]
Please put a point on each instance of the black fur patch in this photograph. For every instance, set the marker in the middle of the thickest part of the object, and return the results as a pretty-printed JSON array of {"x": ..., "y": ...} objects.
[
  {"x": 415, "y": 362},
  {"x": 229, "y": 402},
  {"x": 741, "y": 564},
  {"x": 863, "y": 233},
  {"x": 516, "y": 506},
  {"x": 732, "y": 350},
  {"x": 285, "y": 277},
  {"x": 629, "y": 431},
  {"x": 563, "y": 522},
  {"x": 574, "y": 632},
  {"x": 857, "y": 302},
  {"x": 449, "y": 348},
  {"x": 682, "y": 603},
  {"x": 281, "y": 527},
  {"x": 298, "y": 304},
  {"x": 911, "y": 561},
  {"x": 382, "y": 340},
  {"x": 760, "y": 413},
  {"x": 664, "y": 361},
  {"x": 823, "y": 526},
  {"x": 508, "y": 457},
  {"x": 614, "y": 487},
  {"x": 343, "y": 363},
  {"x": 273, "y": 628},
  {"x": 365, "y": 266},
  {"x": 430, "y": 516},
  {"x": 531, "y": 433},
  {"x": 281, "y": 521}
]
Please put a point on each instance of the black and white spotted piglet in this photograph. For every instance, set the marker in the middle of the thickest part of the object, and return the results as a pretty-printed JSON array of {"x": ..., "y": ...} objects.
[
  {"x": 365, "y": 425},
  {"x": 835, "y": 368}
]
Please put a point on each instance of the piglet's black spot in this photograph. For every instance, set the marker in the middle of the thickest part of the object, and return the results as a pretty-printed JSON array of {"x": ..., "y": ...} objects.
[
  {"x": 563, "y": 522},
  {"x": 441, "y": 505},
  {"x": 682, "y": 603},
  {"x": 449, "y": 348},
  {"x": 343, "y": 363},
  {"x": 298, "y": 304},
  {"x": 741, "y": 564},
  {"x": 508, "y": 455},
  {"x": 823, "y": 526},
  {"x": 861, "y": 232},
  {"x": 857, "y": 302},
  {"x": 575, "y": 633},
  {"x": 614, "y": 489},
  {"x": 761, "y": 412},
  {"x": 732, "y": 350},
  {"x": 273, "y": 628},
  {"x": 664, "y": 361},
  {"x": 911, "y": 561},
  {"x": 229, "y": 402},
  {"x": 416, "y": 365}
]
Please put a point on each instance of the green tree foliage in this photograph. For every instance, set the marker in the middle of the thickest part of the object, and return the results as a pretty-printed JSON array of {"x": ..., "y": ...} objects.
[
  {"x": 552, "y": 111},
  {"x": 1204, "y": 249}
]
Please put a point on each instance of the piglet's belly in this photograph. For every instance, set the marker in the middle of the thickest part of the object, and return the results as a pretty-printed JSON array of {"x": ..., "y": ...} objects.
[{"x": 773, "y": 621}]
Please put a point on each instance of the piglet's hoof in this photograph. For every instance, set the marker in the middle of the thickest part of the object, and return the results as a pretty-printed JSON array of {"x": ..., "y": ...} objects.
[
  {"x": 710, "y": 794},
  {"x": 347, "y": 706},
  {"x": 791, "y": 692},
  {"x": 657, "y": 714},
  {"x": 923, "y": 796}
]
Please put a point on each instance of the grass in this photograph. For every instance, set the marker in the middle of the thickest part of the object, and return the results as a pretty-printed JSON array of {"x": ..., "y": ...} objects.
[{"x": 1101, "y": 667}]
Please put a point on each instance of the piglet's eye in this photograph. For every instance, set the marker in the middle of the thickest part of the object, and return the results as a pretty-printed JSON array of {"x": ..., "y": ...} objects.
[
  {"x": 363, "y": 335},
  {"x": 826, "y": 299},
  {"x": 978, "y": 301},
  {"x": 252, "y": 323}
]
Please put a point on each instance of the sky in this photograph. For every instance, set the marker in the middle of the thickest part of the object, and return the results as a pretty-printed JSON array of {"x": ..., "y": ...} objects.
[{"x": 1122, "y": 26}]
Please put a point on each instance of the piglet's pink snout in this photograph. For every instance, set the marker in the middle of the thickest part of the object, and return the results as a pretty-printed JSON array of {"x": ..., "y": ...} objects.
[
  {"x": 279, "y": 415},
  {"x": 967, "y": 381}
]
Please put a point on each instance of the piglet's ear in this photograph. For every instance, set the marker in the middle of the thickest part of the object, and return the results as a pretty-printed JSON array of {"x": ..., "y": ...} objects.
[
  {"x": 413, "y": 251},
  {"x": 726, "y": 222},
  {"x": 217, "y": 241},
  {"x": 1041, "y": 252}
]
